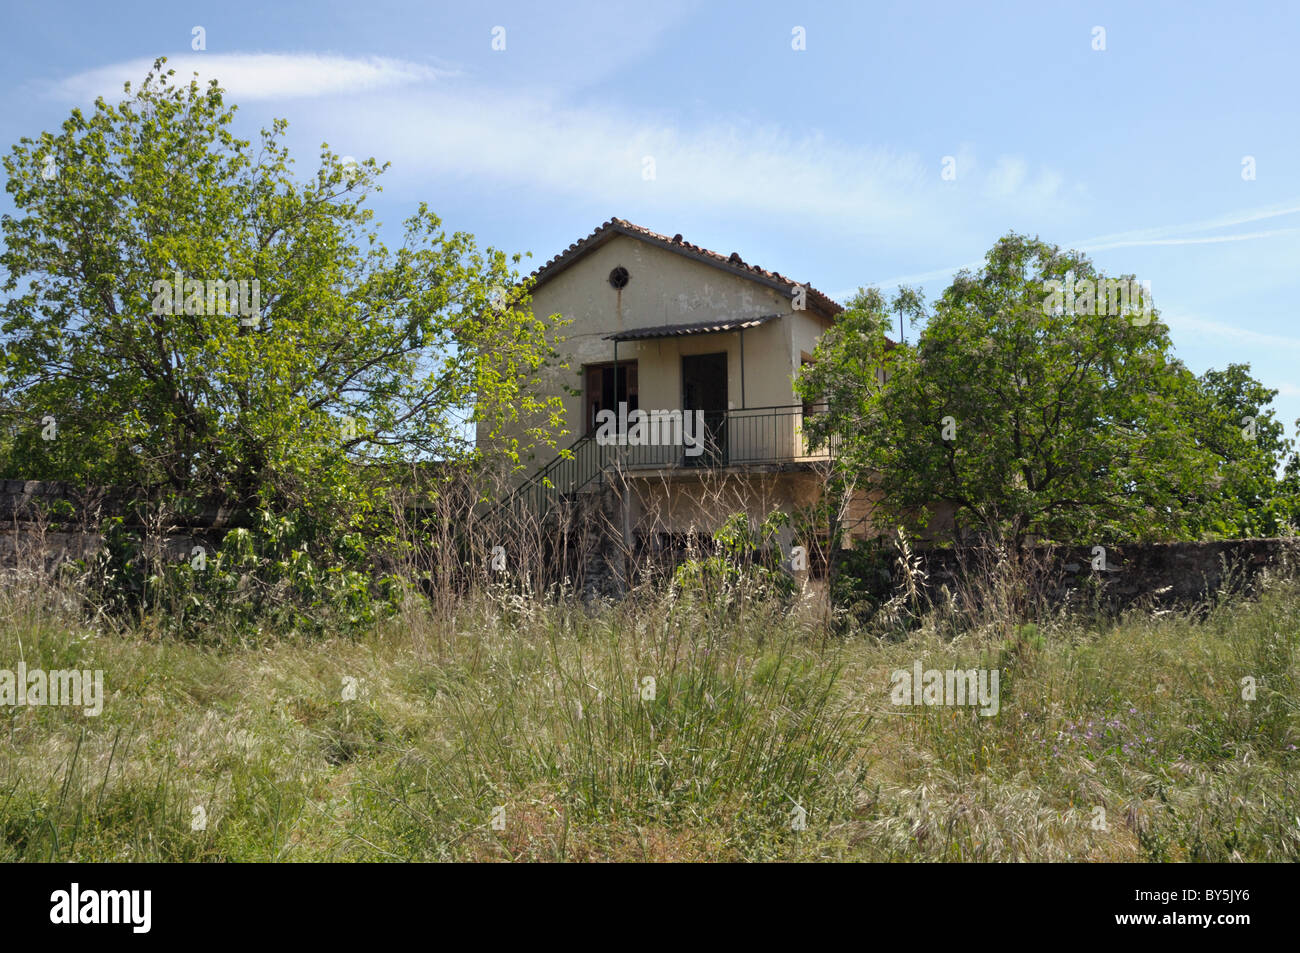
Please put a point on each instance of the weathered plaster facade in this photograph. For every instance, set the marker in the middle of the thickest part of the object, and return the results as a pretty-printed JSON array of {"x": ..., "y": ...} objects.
[{"x": 670, "y": 283}]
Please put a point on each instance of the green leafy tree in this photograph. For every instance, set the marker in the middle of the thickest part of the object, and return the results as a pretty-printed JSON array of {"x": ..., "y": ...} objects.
[
  {"x": 1022, "y": 417},
  {"x": 357, "y": 353},
  {"x": 194, "y": 320},
  {"x": 1229, "y": 414}
]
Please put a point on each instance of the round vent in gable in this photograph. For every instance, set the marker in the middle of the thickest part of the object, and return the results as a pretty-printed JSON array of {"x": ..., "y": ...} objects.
[{"x": 618, "y": 278}]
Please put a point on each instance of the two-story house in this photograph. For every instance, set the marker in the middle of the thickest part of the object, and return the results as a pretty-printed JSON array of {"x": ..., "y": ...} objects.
[{"x": 681, "y": 363}]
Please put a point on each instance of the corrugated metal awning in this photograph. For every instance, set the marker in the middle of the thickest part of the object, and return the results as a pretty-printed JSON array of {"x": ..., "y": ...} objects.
[{"x": 700, "y": 327}]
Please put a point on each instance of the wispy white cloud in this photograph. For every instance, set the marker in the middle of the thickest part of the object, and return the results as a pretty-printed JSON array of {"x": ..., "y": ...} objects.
[
  {"x": 249, "y": 77},
  {"x": 1179, "y": 321},
  {"x": 1154, "y": 236},
  {"x": 433, "y": 123},
  {"x": 1008, "y": 175},
  {"x": 803, "y": 181},
  {"x": 918, "y": 278},
  {"x": 1131, "y": 239},
  {"x": 1207, "y": 240}
]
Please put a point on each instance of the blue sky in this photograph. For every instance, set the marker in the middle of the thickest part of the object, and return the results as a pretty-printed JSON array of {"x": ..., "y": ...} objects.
[{"x": 823, "y": 163}]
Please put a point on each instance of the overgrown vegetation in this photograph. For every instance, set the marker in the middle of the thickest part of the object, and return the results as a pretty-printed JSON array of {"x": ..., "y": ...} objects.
[
  {"x": 187, "y": 318},
  {"x": 370, "y": 660},
  {"x": 402, "y": 743},
  {"x": 1066, "y": 424}
]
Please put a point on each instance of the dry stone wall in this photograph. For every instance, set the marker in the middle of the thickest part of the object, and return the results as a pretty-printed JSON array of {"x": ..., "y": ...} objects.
[{"x": 43, "y": 522}]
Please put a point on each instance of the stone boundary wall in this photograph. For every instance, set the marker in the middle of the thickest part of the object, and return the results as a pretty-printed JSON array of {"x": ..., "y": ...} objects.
[
  {"x": 50, "y": 522},
  {"x": 1158, "y": 575},
  {"x": 44, "y": 502},
  {"x": 44, "y": 523}
]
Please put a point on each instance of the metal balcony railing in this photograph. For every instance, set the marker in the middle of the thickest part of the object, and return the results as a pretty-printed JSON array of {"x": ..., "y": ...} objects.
[
  {"x": 750, "y": 436},
  {"x": 754, "y": 435}
]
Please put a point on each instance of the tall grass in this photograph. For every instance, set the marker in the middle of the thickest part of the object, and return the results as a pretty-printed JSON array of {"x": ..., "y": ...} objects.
[{"x": 754, "y": 719}]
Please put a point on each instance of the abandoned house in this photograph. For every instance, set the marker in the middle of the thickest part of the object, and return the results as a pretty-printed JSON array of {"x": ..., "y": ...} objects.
[{"x": 680, "y": 374}]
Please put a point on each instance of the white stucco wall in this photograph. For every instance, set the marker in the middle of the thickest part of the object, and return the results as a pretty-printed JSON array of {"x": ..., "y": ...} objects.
[{"x": 669, "y": 288}]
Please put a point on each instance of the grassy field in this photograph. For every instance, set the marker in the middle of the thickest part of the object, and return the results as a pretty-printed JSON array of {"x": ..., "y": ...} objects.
[{"x": 1124, "y": 741}]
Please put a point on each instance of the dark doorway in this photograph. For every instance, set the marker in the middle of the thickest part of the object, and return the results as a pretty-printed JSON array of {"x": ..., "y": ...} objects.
[
  {"x": 704, "y": 387},
  {"x": 606, "y": 386}
]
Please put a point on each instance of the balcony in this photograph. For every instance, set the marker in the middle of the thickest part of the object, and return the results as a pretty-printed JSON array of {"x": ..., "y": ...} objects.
[{"x": 750, "y": 437}]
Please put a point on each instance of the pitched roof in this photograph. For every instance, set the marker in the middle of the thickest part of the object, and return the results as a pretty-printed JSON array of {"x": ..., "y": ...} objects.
[
  {"x": 732, "y": 263},
  {"x": 699, "y": 327}
]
